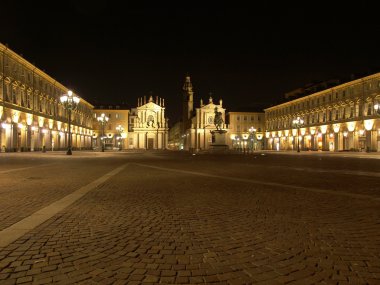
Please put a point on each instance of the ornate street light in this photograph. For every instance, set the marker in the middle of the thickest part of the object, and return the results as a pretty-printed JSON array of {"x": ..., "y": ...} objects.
[
  {"x": 70, "y": 102},
  {"x": 103, "y": 119},
  {"x": 120, "y": 129},
  {"x": 297, "y": 123},
  {"x": 252, "y": 137}
]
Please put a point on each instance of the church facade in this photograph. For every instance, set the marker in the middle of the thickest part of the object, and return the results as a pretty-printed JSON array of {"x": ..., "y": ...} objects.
[
  {"x": 199, "y": 125},
  {"x": 148, "y": 125}
]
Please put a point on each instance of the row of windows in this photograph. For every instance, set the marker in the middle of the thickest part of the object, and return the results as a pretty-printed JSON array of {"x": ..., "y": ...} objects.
[
  {"x": 347, "y": 93},
  {"x": 45, "y": 95},
  {"x": 349, "y": 112},
  {"x": 247, "y": 118},
  {"x": 42, "y": 104},
  {"x": 117, "y": 116}
]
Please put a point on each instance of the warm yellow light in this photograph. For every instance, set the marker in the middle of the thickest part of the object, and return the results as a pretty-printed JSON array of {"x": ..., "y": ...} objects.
[
  {"x": 41, "y": 121},
  {"x": 267, "y": 134},
  {"x": 336, "y": 128},
  {"x": 51, "y": 123},
  {"x": 368, "y": 124},
  {"x": 294, "y": 132},
  {"x": 303, "y": 131},
  {"x": 15, "y": 116},
  {"x": 29, "y": 119},
  {"x": 286, "y": 133},
  {"x": 312, "y": 131},
  {"x": 324, "y": 129},
  {"x": 5, "y": 126},
  {"x": 351, "y": 126}
]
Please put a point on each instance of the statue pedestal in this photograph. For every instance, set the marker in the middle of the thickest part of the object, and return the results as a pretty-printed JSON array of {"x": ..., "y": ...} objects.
[{"x": 219, "y": 141}]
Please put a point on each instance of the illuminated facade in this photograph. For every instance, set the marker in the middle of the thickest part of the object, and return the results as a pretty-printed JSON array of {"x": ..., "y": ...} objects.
[
  {"x": 115, "y": 132},
  {"x": 148, "y": 125},
  {"x": 197, "y": 126},
  {"x": 342, "y": 118},
  {"x": 246, "y": 130},
  {"x": 32, "y": 116}
]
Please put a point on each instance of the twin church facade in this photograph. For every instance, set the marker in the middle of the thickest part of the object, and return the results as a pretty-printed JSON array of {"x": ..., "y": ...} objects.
[{"x": 32, "y": 118}]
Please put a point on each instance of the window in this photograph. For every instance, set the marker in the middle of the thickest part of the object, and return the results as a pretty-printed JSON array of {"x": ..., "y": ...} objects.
[
  {"x": 237, "y": 118},
  {"x": 369, "y": 109},
  {"x": 252, "y": 118},
  {"x": 245, "y": 118},
  {"x": 116, "y": 116}
]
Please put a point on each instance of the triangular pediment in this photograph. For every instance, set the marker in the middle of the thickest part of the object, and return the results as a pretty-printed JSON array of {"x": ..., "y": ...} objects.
[{"x": 149, "y": 105}]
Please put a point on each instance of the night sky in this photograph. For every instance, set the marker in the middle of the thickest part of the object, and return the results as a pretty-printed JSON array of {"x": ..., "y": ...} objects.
[{"x": 247, "y": 55}]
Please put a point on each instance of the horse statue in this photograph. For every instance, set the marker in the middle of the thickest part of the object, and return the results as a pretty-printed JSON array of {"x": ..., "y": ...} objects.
[{"x": 218, "y": 119}]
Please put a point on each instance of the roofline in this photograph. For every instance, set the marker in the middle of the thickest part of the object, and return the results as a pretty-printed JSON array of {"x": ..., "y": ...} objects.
[
  {"x": 325, "y": 91},
  {"x": 5, "y": 49}
]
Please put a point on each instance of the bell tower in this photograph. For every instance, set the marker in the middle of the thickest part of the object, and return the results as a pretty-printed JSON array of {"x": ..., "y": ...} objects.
[{"x": 187, "y": 103}]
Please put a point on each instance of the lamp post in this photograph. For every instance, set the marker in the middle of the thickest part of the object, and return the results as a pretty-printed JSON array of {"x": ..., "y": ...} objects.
[
  {"x": 297, "y": 123},
  {"x": 103, "y": 119},
  {"x": 70, "y": 102},
  {"x": 252, "y": 137},
  {"x": 120, "y": 129}
]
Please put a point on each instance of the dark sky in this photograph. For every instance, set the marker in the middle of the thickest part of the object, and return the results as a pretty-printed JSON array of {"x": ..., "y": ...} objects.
[{"x": 245, "y": 54}]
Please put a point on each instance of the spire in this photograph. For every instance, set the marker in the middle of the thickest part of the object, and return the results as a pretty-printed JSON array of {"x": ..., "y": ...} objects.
[{"x": 187, "y": 86}]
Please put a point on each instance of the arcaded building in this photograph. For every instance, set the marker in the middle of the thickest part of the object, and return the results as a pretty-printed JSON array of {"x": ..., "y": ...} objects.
[
  {"x": 31, "y": 113},
  {"x": 341, "y": 118}
]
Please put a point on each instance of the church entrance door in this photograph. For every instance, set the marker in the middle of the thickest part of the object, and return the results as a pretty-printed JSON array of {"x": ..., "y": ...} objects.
[{"x": 150, "y": 143}]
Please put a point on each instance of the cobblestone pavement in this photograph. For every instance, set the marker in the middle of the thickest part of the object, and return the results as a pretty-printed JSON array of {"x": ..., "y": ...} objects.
[{"x": 175, "y": 218}]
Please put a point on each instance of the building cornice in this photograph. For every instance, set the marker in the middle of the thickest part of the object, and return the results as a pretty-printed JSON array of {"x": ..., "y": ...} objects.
[
  {"x": 323, "y": 92},
  {"x": 23, "y": 61}
]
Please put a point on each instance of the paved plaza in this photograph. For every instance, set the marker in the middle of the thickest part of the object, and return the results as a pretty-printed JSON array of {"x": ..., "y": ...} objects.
[{"x": 165, "y": 217}]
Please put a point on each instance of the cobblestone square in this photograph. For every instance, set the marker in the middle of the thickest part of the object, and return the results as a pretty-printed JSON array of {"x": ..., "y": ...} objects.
[{"x": 176, "y": 218}]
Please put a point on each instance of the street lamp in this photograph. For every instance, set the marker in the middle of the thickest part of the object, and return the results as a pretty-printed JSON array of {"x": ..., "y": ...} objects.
[
  {"x": 103, "y": 119},
  {"x": 120, "y": 129},
  {"x": 252, "y": 137},
  {"x": 297, "y": 123},
  {"x": 70, "y": 102}
]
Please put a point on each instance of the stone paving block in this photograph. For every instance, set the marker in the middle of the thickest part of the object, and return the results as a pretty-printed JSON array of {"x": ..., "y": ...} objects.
[{"x": 25, "y": 279}]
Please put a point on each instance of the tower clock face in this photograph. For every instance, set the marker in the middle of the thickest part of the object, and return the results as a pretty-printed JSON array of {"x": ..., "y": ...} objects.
[{"x": 210, "y": 119}]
